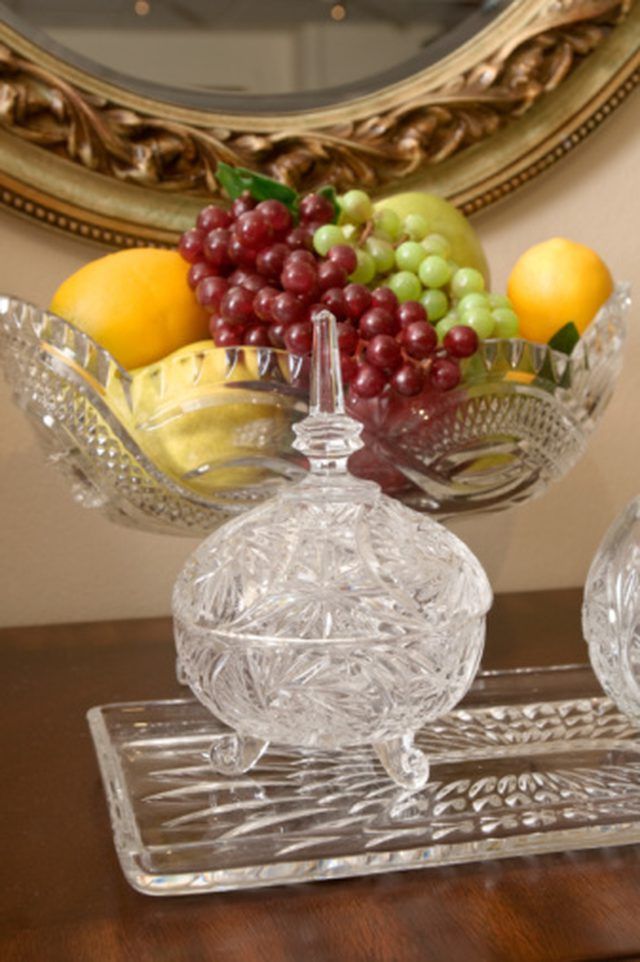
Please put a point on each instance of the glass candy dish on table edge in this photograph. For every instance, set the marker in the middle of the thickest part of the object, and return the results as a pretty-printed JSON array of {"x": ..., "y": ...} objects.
[
  {"x": 191, "y": 441},
  {"x": 611, "y": 611},
  {"x": 330, "y": 616}
]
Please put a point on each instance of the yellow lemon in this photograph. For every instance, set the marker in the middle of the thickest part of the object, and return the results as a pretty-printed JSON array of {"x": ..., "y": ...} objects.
[
  {"x": 135, "y": 303},
  {"x": 556, "y": 282},
  {"x": 196, "y": 421}
]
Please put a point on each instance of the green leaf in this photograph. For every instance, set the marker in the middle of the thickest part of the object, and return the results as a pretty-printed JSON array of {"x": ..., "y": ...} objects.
[
  {"x": 565, "y": 339},
  {"x": 329, "y": 192},
  {"x": 235, "y": 180}
]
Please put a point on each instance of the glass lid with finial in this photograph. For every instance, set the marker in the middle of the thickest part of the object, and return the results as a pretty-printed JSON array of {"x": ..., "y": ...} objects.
[{"x": 330, "y": 615}]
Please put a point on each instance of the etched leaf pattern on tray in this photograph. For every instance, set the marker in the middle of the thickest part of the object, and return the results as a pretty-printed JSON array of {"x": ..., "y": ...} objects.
[{"x": 295, "y": 803}]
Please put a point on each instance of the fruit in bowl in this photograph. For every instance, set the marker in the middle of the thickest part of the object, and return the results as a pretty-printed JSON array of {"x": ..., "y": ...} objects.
[{"x": 460, "y": 411}]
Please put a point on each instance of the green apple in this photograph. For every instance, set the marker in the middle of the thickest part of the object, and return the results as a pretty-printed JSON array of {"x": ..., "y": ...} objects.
[{"x": 443, "y": 218}]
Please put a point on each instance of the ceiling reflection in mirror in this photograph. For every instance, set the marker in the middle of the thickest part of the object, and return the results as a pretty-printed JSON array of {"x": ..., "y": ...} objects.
[{"x": 240, "y": 53}]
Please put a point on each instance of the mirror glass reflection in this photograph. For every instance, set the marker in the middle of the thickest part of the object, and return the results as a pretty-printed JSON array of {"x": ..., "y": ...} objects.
[{"x": 260, "y": 48}]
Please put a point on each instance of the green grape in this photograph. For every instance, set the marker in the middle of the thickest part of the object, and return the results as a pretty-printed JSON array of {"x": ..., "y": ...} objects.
[
  {"x": 383, "y": 235},
  {"x": 467, "y": 280},
  {"x": 470, "y": 302},
  {"x": 499, "y": 300},
  {"x": 444, "y": 326},
  {"x": 327, "y": 237},
  {"x": 351, "y": 233},
  {"x": 435, "y": 303},
  {"x": 453, "y": 267},
  {"x": 434, "y": 271},
  {"x": 405, "y": 286},
  {"x": 416, "y": 227},
  {"x": 366, "y": 269},
  {"x": 506, "y": 322},
  {"x": 481, "y": 321},
  {"x": 409, "y": 256},
  {"x": 382, "y": 252},
  {"x": 437, "y": 244},
  {"x": 387, "y": 222},
  {"x": 356, "y": 206}
]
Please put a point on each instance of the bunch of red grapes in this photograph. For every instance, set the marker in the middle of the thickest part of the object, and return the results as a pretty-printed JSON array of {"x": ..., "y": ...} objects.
[{"x": 255, "y": 271}]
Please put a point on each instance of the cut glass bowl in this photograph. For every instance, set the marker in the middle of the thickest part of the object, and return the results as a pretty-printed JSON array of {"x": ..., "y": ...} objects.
[
  {"x": 611, "y": 611},
  {"x": 330, "y": 616},
  {"x": 202, "y": 436}
]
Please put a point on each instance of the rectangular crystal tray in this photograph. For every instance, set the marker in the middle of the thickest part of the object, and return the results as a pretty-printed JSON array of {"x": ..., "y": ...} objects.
[{"x": 533, "y": 761}]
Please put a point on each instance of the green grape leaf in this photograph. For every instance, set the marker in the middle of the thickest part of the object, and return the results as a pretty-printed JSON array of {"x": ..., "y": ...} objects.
[
  {"x": 329, "y": 192},
  {"x": 565, "y": 339},
  {"x": 235, "y": 180}
]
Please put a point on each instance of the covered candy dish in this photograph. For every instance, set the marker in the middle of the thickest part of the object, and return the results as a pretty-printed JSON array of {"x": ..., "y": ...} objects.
[{"x": 330, "y": 616}]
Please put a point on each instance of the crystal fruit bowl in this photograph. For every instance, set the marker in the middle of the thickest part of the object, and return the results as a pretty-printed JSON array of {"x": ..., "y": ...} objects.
[{"x": 187, "y": 443}]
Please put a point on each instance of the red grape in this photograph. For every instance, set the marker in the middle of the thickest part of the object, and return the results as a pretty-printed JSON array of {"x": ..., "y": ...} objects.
[
  {"x": 408, "y": 380},
  {"x": 410, "y": 312},
  {"x": 237, "y": 306},
  {"x": 215, "y": 247},
  {"x": 270, "y": 260},
  {"x": 299, "y": 277},
  {"x": 249, "y": 279},
  {"x": 240, "y": 254},
  {"x": 347, "y": 338},
  {"x": 287, "y": 309},
  {"x": 461, "y": 341},
  {"x": 210, "y": 291},
  {"x": 198, "y": 271},
  {"x": 368, "y": 381},
  {"x": 317, "y": 209},
  {"x": 257, "y": 336},
  {"x": 227, "y": 336},
  {"x": 298, "y": 338},
  {"x": 276, "y": 334},
  {"x": 299, "y": 239},
  {"x": 275, "y": 214},
  {"x": 300, "y": 254},
  {"x": 334, "y": 299},
  {"x": 190, "y": 245},
  {"x": 444, "y": 374},
  {"x": 385, "y": 298},
  {"x": 344, "y": 256},
  {"x": 331, "y": 275},
  {"x": 263, "y": 303},
  {"x": 348, "y": 368},
  {"x": 211, "y": 217},
  {"x": 357, "y": 300},
  {"x": 252, "y": 229},
  {"x": 384, "y": 351},
  {"x": 377, "y": 321},
  {"x": 419, "y": 339},
  {"x": 242, "y": 204}
]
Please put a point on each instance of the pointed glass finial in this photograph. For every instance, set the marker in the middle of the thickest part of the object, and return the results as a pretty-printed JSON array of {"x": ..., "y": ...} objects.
[{"x": 328, "y": 436}]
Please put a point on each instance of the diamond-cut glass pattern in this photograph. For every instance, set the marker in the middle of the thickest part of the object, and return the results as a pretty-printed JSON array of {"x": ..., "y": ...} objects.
[
  {"x": 611, "y": 611},
  {"x": 520, "y": 421}
]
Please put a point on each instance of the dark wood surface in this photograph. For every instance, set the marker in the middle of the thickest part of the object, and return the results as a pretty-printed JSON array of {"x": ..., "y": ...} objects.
[{"x": 64, "y": 898}]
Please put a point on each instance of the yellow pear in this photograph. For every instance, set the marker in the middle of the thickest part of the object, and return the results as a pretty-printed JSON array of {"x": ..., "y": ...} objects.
[{"x": 443, "y": 218}]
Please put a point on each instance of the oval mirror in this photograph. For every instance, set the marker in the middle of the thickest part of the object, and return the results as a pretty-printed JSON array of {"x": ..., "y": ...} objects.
[{"x": 114, "y": 116}]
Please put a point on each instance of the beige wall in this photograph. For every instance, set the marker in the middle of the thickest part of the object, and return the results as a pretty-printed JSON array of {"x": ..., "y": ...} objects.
[{"x": 62, "y": 563}]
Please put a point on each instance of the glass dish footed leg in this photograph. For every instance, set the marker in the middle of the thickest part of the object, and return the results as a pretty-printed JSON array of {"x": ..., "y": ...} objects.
[
  {"x": 403, "y": 762},
  {"x": 233, "y": 754}
]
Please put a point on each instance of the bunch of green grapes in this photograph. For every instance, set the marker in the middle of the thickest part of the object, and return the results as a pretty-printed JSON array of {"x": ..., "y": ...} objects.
[{"x": 417, "y": 266}]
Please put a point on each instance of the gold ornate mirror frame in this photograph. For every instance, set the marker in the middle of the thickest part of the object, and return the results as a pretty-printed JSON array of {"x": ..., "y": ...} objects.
[{"x": 97, "y": 160}]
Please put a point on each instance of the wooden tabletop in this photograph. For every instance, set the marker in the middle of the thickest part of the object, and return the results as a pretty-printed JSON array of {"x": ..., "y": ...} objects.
[{"x": 64, "y": 898}]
